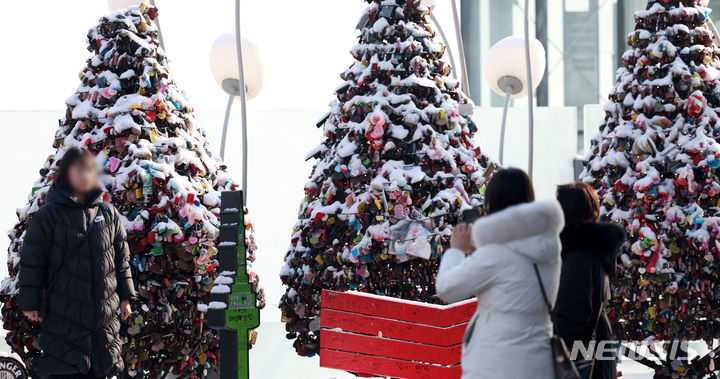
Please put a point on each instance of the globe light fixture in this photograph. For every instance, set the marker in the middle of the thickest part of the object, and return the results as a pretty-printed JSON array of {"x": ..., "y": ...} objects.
[
  {"x": 225, "y": 70},
  {"x": 506, "y": 70},
  {"x": 505, "y": 66}
]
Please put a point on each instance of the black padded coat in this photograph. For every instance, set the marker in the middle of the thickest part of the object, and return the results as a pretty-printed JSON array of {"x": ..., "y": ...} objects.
[
  {"x": 588, "y": 252},
  {"x": 84, "y": 278}
]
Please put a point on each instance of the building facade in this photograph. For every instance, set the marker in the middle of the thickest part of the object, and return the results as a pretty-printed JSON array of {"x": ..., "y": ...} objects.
[{"x": 584, "y": 42}]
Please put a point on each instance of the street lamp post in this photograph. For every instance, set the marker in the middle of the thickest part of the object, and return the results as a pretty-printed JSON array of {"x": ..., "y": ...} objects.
[
  {"x": 231, "y": 57},
  {"x": 157, "y": 23},
  {"x": 531, "y": 88},
  {"x": 447, "y": 44},
  {"x": 458, "y": 34},
  {"x": 512, "y": 75},
  {"x": 461, "y": 48}
]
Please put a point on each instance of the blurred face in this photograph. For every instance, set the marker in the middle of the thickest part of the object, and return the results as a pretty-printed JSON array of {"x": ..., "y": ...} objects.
[{"x": 83, "y": 176}]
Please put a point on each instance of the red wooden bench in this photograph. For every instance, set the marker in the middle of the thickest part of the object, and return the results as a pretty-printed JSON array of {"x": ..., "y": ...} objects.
[{"x": 381, "y": 336}]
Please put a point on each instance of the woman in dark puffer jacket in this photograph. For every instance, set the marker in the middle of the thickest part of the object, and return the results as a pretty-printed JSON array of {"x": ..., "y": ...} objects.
[
  {"x": 589, "y": 250},
  {"x": 75, "y": 275}
]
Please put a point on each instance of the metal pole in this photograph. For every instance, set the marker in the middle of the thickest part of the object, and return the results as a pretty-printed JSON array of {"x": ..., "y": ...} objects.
[
  {"x": 530, "y": 89},
  {"x": 470, "y": 27},
  {"x": 445, "y": 40},
  {"x": 620, "y": 35},
  {"x": 157, "y": 23},
  {"x": 461, "y": 49},
  {"x": 715, "y": 31},
  {"x": 541, "y": 34},
  {"x": 231, "y": 98},
  {"x": 508, "y": 93},
  {"x": 243, "y": 99}
]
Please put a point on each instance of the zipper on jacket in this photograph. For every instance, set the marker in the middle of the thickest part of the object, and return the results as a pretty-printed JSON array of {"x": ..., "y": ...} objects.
[{"x": 93, "y": 364}]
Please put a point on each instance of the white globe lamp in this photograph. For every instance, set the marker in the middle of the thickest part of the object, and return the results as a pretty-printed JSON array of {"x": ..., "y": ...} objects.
[
  {"x": 115, "y": 5},
  {"x": 506, "y": 70},
  {"x": 505, "y": 66},
  {"x": 224, "y": 65},
  {"x": 232, "y": 74}
]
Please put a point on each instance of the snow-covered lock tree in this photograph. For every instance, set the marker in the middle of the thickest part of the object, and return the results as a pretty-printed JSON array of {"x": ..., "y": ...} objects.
[
  {"x": 159, "y": 172},
  {"x": 397, "y": 165},
  {"x": 655, "y": 166}
]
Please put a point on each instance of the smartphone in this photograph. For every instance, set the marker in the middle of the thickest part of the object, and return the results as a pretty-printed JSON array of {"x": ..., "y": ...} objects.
[{"x": 470, "y": 215}]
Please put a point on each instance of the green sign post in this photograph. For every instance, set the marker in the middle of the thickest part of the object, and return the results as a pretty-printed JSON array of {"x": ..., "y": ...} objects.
[{"x": 241, "y": 313}]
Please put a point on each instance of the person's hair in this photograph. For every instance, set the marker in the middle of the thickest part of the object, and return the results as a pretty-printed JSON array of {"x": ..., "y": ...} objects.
[
  {"x": 508, "y": 187},
  {"x": 72, "y": 156},
  {"x": 579, "y": 203}
]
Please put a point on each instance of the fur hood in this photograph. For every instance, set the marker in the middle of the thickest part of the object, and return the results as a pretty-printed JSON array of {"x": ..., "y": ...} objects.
[
  {"x": 600, "y": 239},
  {"x": 529, "y": 229}
]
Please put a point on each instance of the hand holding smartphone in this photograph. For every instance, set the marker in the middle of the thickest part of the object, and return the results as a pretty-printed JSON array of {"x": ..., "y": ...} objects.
[{"x": 470, "y": 215}]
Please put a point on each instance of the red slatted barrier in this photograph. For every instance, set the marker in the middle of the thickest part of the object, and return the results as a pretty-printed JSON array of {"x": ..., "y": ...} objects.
[{"x": 381, "y": 336}]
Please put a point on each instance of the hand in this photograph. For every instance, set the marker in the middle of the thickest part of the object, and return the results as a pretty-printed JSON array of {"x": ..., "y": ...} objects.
[
  {"x": 462, "y": 238},
  {"x": 125, "y": 310},
  {"x": 33, "y": 316}
]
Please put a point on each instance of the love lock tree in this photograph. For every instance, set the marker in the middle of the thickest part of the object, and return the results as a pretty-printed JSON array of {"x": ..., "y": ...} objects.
[
  {"x": 655, "y": 166},
  {"x": 160, "y": 174},
  {"x": 396, "y": 166}
]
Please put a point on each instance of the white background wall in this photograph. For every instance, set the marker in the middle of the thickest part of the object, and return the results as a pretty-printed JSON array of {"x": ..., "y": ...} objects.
[{"x": 555, "y": 143}]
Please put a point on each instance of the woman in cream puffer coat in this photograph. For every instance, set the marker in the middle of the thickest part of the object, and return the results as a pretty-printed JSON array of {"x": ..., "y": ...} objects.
[{"x": 509, "y": 336}]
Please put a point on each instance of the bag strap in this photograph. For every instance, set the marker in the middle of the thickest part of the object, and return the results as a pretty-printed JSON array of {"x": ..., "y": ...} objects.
[
  {"x": 545, "y": 297},
  {"x": 542, "y": 289},
  {"x": 601, "y": 311},
  {"x": 599, "y": 315},
  {"x": 93, "y": 215}
]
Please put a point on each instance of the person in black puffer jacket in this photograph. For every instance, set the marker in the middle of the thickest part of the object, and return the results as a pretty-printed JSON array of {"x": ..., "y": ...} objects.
[
  {"x": 75, "y": 275},
  {"x": 589, "y": 250}
]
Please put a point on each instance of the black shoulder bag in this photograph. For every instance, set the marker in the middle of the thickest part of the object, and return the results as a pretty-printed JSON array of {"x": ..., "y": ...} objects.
[
  {"x": 564, "y": 366},
  {"x": 46, "y": 292}
]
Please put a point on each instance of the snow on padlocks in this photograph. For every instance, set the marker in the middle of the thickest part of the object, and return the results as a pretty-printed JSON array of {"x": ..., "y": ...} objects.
[
  {"x": 396, "y": 166},
  {"x": 654, "y": 165}
]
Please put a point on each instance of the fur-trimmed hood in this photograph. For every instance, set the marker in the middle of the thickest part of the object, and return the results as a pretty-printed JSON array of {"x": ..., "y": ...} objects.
[
  {"x": 529, "y": 229},
  {"x": 600, "y": 239}
]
